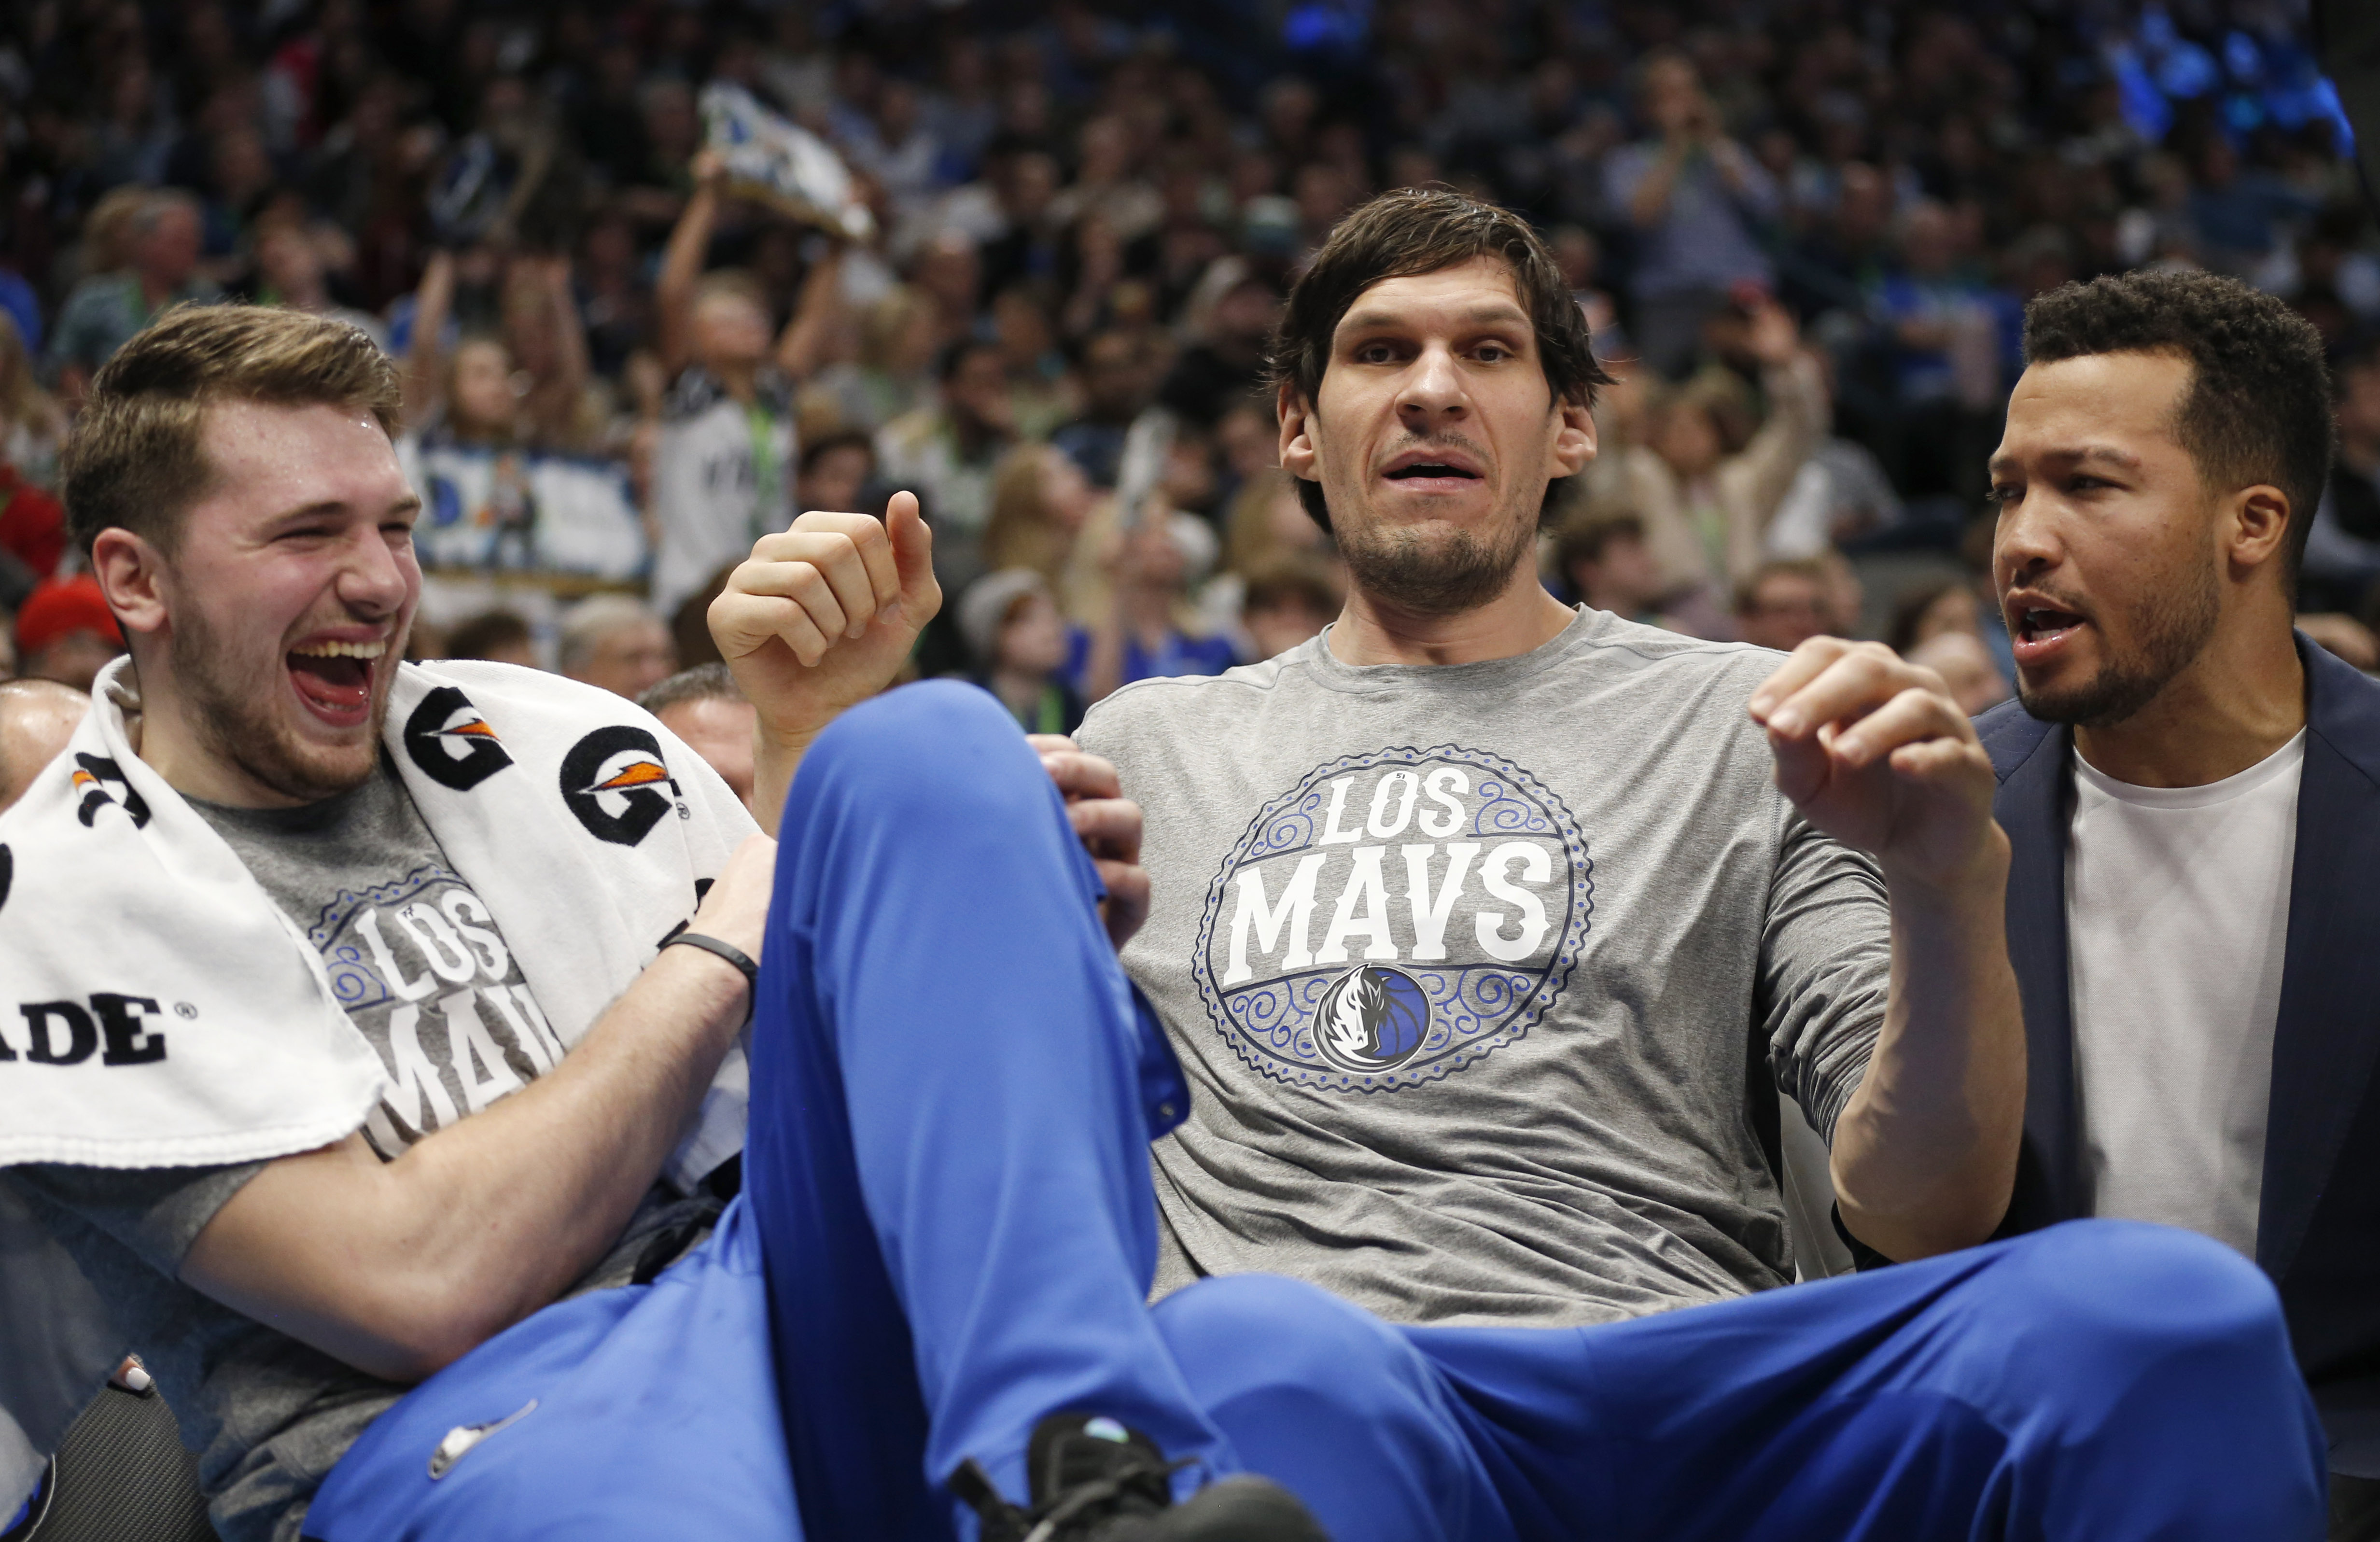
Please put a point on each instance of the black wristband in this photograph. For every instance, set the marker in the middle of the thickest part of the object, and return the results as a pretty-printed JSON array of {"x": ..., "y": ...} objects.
[{"x": 733, "y": 954}]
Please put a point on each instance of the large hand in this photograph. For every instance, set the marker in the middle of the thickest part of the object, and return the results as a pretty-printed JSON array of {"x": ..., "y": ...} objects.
[
  {"x": 1109, "y": 825},
  {"x": 821, "y": 618},
  {"x": 1875, "y": 752}
]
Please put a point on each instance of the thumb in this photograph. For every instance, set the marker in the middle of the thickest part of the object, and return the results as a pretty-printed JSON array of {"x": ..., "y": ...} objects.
[
  {"x": 912, "y": 557},
  {"x": 1802, "y": 765}
]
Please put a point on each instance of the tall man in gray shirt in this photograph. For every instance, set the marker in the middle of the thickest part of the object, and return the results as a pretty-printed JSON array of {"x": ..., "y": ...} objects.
[{"x": 1484, "y": 929}]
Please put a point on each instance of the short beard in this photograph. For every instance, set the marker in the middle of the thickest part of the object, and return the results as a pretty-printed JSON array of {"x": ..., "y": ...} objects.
[
  {"x": 1459, "y": 571},
  {"x": 2173, "y": 630},
  {"x": 240, "y": 731}
]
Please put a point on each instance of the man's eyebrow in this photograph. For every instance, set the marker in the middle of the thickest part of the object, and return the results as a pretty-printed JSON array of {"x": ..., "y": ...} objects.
[
  {"x": 2004, "y": 465},
  {"x": 410, "y": 503},
  {"x": 1497, "y": 313},
  {"x": 314, "y": 510}
]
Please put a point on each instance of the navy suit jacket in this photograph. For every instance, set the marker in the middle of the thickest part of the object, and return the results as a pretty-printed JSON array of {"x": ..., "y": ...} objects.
[{"x": 2318, "y": 1221}]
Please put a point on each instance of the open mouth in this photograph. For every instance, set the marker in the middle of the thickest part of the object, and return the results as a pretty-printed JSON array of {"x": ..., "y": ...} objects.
[
  {"x": 2041, "y": 630},
  {"x": 1432, "y": 475},
  {"x": 335, "y": 679}
]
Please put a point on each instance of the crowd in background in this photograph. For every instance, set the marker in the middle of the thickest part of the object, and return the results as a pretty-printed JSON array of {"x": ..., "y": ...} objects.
[{"x": 1804, "y": 231}]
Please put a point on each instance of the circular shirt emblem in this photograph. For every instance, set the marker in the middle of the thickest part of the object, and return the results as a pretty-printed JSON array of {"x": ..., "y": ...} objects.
[
  {"x": 1393, "y": 918},
  {"x": 1372, "y": 1019}
]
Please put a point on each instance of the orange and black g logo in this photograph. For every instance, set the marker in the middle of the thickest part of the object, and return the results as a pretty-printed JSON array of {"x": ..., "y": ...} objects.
[
  {"x": 617, "y": 785},
  {"x": 452, "y": 743},
  {"x": 94, "y": 774}
]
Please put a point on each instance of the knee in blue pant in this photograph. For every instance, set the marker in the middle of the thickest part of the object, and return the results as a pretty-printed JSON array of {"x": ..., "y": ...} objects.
[
  {"x": 2123, "y": 1306},
  {"x": 1330, "y": 1401},
  {"x": 2153, "y": 1365},
  {"x": 937, "y": 750}
]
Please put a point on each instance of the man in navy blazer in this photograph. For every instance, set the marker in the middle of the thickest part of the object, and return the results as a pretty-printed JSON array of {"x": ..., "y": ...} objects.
[{"x": 2191, "y": 793}]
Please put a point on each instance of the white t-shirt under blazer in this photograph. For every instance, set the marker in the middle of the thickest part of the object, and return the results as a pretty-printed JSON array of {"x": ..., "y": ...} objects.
[{"x": 2178, "y": 918}]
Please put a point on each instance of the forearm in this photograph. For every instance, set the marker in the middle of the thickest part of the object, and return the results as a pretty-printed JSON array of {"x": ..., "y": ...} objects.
[
  {"x": 401, "y": 1268},
  {"x": 1924, "y": 1154},
  {"x": 689, "y": 243},
  {"x": 821, "y": 306},
  {"x": 1649, "y": 204},
  {"x": 775, "y": 758}
]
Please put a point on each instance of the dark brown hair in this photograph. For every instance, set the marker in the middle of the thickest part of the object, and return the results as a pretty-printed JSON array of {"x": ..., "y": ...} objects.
[
  {"x": 1425, "y": 230},
  {"x": 134, "y": 461},
  {"x": 2258, "y": 407}
]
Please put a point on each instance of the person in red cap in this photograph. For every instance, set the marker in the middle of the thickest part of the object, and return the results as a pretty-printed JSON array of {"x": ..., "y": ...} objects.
[{"x": 65, "y": 632}]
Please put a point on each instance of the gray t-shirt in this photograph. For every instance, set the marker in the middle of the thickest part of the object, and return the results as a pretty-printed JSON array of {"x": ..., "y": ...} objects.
[
  {"x": 1474, "y": 969},
  {"x": 418, "y": 963}
]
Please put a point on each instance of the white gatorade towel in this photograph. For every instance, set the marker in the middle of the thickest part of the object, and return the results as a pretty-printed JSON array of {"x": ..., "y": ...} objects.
[{"x": 157, "y": 1008}]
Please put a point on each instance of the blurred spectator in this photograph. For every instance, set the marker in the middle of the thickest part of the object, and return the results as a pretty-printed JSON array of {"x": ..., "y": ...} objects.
[
  {"x": 617, "y": 642},
  {"x": 1607, "y": 565},
  {"x": 32, "y": 425},
  {"x": 945, "y": 454},
  {"x": 1040, "y": 395},
  {"x": 1150, "y": 629},
  {"x": 2343, "y": 556},
  {"x": 1267, "y": 522},
  {"x": 1707, "y": 503},
  {"x": 32, "y": 535},
  {"x": 492, "y": 435},
  {"x": 1943, "y": 343},
  {"x": 499, "y": 636},
  {"x": 1229, "y": 318},
  {"x": 1285, "y": 602},
  {"x": 835, "y": 474},
  {"x": 108, "y": 308},
  {"x": 1840, "y": 494},
  {"x": 1020, "y": 645},
  {"x": 1783, "y": 604},
  {"x": 1115, "y": 388},
  {"x": 37, "y": 718},
  {"x": 1929, "y": 612},
  {"x": 289, "y": 273},
  {"x": 894, "y": 370},
  {"x": 66, "y": 633},
  {"x": 1041, "y": 506},
  {"x": 1696, "y": 200},
  {"x": 706, "y": 708},
  {"x": 1965, "y": 665},
  {"x": 723, "y": 472},
  {"x": 1581, "y": 256}
]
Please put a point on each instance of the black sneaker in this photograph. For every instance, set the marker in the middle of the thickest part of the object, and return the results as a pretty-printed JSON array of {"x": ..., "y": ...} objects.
[{"x": 1095, "y": 1481}]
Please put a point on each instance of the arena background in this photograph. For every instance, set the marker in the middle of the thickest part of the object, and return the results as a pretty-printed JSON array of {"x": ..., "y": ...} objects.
[{"x": 1110, "y": 196}]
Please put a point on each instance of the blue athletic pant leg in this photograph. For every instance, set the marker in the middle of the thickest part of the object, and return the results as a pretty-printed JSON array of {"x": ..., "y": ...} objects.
[
  {"x": 1338, "y": 1406},
  {"x": 625, "y": 1415},
  {"x": 2102, "y": 1381},
  {"x": 949, "y": 1149}
]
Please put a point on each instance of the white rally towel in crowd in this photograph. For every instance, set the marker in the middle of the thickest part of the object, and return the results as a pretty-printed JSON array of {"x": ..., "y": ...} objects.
[
  {"x": 782, "y": 164},
  {"x": 157, "y": 1008}
]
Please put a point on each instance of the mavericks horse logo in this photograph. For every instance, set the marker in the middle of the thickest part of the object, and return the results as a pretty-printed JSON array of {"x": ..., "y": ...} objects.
[{"x": 1372, "y": 1019}]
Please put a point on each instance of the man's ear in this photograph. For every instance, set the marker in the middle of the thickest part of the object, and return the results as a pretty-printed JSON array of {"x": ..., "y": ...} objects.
[
  {"x": 2259, "y": 530},
  {"x": 130, "y": 572},
  {"x": 1574, "y": 444},
  {"x": 1296, "y": 435}
]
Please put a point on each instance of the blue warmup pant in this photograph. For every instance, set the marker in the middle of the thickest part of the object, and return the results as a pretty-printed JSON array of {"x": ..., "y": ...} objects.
[{"x": 949, "y": 1227}]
